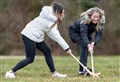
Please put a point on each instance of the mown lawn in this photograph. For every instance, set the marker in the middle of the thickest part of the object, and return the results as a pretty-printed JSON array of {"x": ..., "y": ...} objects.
[{"x": 38, "y": 71}]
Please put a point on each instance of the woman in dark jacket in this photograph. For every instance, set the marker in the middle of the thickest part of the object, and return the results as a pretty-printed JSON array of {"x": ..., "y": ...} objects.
[{"x": 81, "y": 31}]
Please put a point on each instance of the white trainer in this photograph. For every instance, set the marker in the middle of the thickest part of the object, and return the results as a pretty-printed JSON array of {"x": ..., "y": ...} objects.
[
  {"x": 56, "y": 74},
  {"x": 9, "y": 75}
]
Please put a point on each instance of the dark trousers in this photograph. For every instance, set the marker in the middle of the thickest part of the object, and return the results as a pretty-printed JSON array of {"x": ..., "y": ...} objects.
[
  {"x": 83, "y": 55},
  {"x": 30, "y": 49}
]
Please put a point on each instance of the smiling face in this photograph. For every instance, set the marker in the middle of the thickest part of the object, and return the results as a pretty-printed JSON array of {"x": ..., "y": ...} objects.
[{"x": 95, "y": 17}]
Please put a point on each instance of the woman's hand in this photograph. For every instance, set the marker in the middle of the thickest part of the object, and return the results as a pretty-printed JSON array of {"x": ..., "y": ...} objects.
[
  {"x": 69, "y": 51},
  {"x": 90, "y": 48},
  {"x": 92, "y": 44}
]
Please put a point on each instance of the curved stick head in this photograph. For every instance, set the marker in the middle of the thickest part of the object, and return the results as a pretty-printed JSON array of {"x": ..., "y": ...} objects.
[{"x": 96, "y": 74}]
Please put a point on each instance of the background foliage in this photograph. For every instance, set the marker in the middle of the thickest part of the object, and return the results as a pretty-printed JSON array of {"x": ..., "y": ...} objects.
[{"x": 15, "y": 14}]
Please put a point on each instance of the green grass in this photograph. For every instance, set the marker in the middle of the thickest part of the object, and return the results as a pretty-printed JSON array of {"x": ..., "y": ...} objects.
[{"x": 38, "y": 71}]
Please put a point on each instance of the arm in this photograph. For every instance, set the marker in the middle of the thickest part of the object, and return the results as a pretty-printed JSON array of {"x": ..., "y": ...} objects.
[
  {"x": 84, "y": 34},
  {"x": 98, "y": 36},
  {"x": 55, "y": 35}
]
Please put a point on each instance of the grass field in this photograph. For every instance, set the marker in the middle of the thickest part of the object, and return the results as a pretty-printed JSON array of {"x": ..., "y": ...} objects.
[{"x": 38, "y": 71}]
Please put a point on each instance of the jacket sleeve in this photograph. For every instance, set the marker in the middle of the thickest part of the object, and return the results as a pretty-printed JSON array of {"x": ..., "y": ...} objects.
[
  {"x": 55, "y": 35},
  {"x": 84, "y": 34},
  {"x": 98, "y": 36}
]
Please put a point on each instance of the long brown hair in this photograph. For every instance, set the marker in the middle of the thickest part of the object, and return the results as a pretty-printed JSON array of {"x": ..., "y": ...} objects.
[{"x": 57, "y": 9}]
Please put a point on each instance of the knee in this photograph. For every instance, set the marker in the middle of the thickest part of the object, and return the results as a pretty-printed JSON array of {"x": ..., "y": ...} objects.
[
  {"x": 30, "y": 60},
  {"x": 47, "y": 51},
  {"x": 84, "y": 48}
]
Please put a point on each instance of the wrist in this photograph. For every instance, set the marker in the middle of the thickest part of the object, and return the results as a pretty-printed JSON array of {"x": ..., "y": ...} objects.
[
  {"x": 93, "y": 42},
  {"x": 67, "y": 49},
  {"x": 88, "y": 45}
]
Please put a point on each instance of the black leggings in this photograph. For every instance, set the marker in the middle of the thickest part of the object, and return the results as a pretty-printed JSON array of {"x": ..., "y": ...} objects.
[{"x": 30, "y": 49}]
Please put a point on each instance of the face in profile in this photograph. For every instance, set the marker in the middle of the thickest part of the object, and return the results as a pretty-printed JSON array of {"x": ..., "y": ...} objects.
[
  {"x": 95, "y": 17},
  {"x": 62, "y": 14}
]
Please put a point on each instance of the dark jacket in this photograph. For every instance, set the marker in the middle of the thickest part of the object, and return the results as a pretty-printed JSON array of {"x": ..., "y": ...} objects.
[{"x": 82, "y": 33}]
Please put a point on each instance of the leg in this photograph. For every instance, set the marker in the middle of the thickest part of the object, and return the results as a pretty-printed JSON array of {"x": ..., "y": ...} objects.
[
  {"x": 83, "y": 56},
  {"x": 30, "y": 49},
  {"x": 46, "y": 51}
]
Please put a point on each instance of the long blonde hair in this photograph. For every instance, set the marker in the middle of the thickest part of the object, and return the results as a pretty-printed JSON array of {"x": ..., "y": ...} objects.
[{"x": 85, "y": 17}]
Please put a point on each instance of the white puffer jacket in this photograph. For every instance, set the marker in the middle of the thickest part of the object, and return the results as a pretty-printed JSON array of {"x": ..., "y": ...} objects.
[{"x": 35, "y": 29}]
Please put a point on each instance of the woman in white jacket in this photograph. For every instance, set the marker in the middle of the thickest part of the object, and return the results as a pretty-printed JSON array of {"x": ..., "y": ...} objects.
[{"x": 33, "y": 37}]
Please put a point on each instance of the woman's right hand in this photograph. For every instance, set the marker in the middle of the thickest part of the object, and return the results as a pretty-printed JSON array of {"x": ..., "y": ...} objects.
[{"x": 90, "y": 48}]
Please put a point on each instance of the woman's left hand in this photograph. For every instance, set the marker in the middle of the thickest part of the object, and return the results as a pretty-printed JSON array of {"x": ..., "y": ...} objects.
[
  {"x": 92, "y": 44},
  {"x": 69, "y": 51}
]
